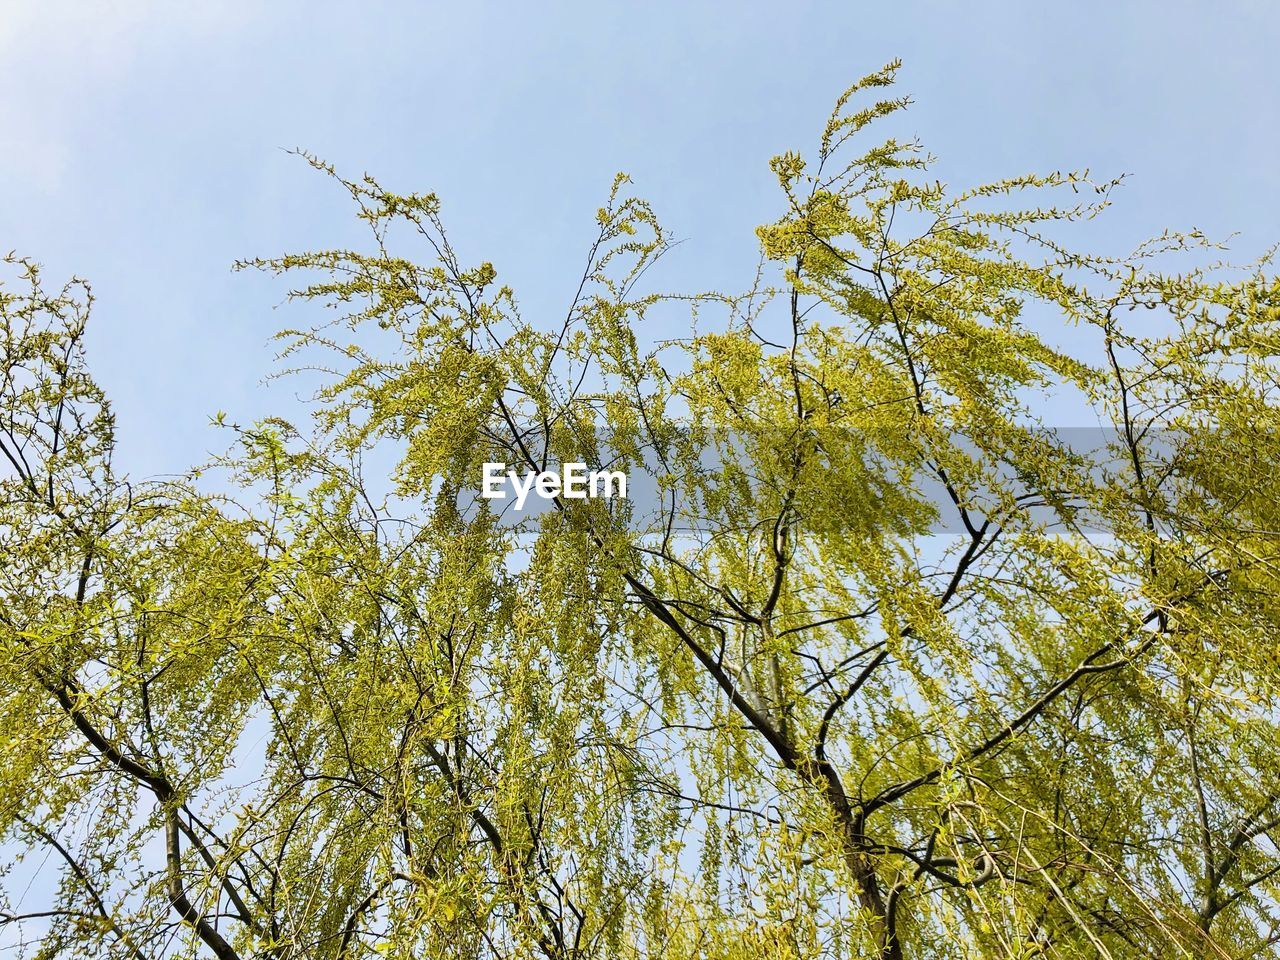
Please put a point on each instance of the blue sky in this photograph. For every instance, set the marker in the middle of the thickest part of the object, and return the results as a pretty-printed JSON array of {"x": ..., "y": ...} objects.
[{"x": 144, "y": 142}]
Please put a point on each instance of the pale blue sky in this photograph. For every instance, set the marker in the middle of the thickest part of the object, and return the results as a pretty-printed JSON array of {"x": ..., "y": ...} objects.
[{"x": 142, "y": 142}]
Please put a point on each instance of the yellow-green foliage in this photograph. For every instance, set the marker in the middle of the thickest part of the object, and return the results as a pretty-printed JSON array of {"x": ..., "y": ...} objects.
[{"x": 881, "y": 666}]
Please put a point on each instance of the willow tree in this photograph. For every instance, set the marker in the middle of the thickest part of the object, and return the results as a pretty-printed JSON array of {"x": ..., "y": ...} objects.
[{"x": 881, "y": 664}]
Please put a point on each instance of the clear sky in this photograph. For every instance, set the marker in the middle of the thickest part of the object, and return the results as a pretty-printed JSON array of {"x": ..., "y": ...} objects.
[{"x": 142, "y": 144}]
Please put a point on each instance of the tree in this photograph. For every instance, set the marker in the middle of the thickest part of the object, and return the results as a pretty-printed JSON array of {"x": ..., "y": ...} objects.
[{"x": 885, "y": 667}]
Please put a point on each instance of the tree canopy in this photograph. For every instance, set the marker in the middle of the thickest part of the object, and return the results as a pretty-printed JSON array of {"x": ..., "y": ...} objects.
[{"x": 884, "y": 665}]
